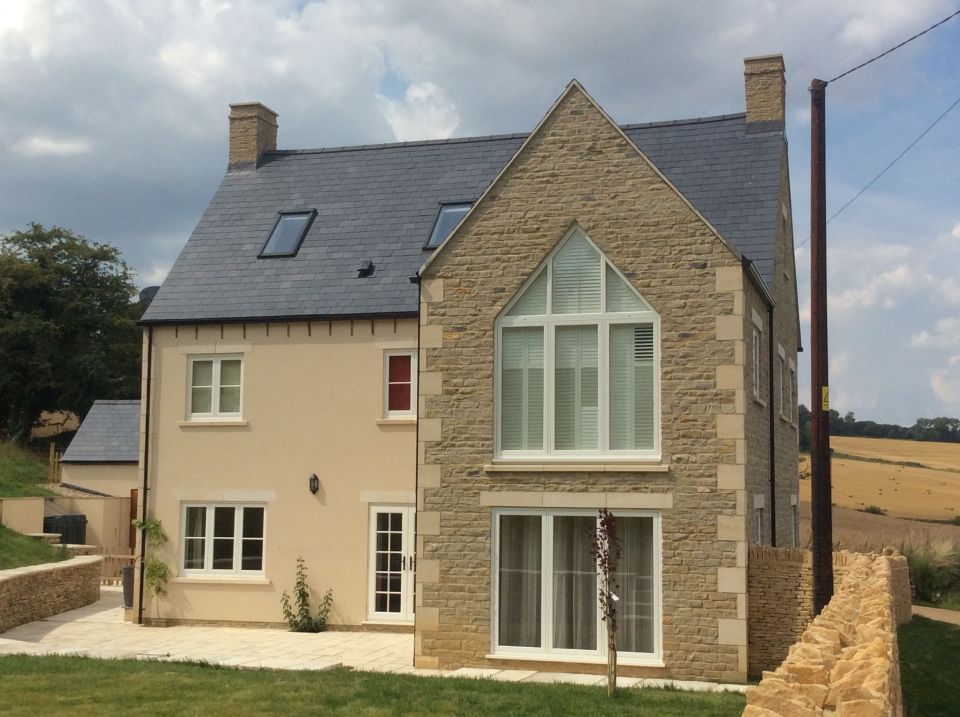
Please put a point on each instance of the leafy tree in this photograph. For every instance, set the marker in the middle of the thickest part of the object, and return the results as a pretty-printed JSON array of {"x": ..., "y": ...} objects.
[
  {"x": 804, "y": 425},
  {"x": 68, "y": 332}
]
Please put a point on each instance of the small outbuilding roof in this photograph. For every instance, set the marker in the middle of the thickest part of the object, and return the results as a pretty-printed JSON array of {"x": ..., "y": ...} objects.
[{"x": 109, "y": 434}]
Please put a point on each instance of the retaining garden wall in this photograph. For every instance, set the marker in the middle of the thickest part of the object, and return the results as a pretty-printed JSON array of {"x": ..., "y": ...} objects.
[
  {"x": 846, "y": 661},
  {"x": 39, "y": 591}
]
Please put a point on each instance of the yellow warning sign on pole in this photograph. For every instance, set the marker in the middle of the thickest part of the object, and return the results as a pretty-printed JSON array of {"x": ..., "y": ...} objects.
[{"x": 824, "y": 398}]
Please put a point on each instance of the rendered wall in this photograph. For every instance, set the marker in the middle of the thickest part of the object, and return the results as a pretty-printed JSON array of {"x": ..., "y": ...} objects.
[
  {"x": 108, "y": 520},
  {"x": 312, "y": 403},
  {"x": 25, "y": 515},
  {"x": 111, "y": 478}
]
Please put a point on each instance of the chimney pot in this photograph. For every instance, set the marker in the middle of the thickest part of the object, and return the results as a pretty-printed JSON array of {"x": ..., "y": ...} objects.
[
  {"x": 253, "y": 131},
  {"x": 765, "y": 88}
]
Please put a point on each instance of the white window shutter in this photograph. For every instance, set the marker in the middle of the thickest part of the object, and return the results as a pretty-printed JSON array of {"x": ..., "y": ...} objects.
[
  {"x": 576, "y": 278},
  {"x": 632, "y": 397},
  {"x": 521, "y": 388},
  {"x": 620, "y": 296},
  {"x": 576, "y": 362},
  {"x": 533, "y": 301}
]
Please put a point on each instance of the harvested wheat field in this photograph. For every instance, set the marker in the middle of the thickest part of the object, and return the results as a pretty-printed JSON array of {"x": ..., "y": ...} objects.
[
  {"x": 929, "y": 454},
  {"x": 855, "y": 530},
  {"x": 905, "y": 491}
]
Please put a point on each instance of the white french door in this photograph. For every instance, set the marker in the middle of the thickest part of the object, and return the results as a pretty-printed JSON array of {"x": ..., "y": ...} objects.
[{"x": 392, "y": 563}]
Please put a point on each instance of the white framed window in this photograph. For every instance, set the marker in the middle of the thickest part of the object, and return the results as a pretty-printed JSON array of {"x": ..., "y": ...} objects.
[
  {"x": 400, "y": 384},
  {"x": 795, "y": 520},
  {"x": 545, "y": 602},
  {"x": 757, "y": 355},
  {"x": 758, "y": 506},
  {"x": 783, "y": 394},
  {"x": 792, "y": 366},
  {"x": 578, "y": 355},
  {"x": 216, "y": 387},
  {"x": 222, "y": 539}
]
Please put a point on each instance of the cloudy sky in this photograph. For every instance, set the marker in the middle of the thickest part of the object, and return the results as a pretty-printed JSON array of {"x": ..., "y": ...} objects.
[{"x": 113, "y": 124}]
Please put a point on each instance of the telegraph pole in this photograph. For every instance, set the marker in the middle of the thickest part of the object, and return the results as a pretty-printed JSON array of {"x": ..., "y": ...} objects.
[{"x": 821, "y": 503}]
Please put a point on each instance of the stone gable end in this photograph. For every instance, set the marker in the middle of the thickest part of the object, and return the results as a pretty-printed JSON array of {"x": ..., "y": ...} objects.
[{"x": 578, "y": 168}]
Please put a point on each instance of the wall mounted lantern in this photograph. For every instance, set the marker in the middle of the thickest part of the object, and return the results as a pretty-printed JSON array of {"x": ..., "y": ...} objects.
[{"x": 314, "y": 483}]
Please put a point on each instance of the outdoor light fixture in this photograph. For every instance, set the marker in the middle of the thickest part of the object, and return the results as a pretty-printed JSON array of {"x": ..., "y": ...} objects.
[{"x": 314, "y": 483}]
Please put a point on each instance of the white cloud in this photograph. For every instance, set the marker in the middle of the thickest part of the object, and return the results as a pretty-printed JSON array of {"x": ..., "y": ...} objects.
[
  {"x": 946, "y": 333},
  {"x": 946, "y": 384},
  {"x": 956, "y": 231},
  {"x": 44, "y": 146},
  {"x": 881, "y": 291},
  {"x": 423, "y": 113}
]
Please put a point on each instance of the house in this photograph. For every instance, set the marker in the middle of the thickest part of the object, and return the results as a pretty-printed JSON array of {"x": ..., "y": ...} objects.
[
  {"x": 103, "y": 454},
  {"x": 423, "y": 367}
]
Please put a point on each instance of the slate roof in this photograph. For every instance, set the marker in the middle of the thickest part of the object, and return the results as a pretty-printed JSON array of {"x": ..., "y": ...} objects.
[
  {"x": 109, "y": 434},
  {"x": 379, "y": 202}
]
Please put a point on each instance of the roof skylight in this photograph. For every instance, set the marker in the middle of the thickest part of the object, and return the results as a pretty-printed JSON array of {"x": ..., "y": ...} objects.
[
  {"x": 449, "y": 216},
  {"x": 288, "y": 233}
]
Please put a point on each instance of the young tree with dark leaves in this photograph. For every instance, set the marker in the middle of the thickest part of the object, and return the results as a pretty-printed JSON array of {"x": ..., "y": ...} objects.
[
  {"x": 68, "y": 332},
  {"x": 606, "y": 549}
]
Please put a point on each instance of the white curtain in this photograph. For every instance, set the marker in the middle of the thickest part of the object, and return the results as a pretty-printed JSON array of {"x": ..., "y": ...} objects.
[
  {"x": 520, "y": 580},
  {"x": 574, "y": 583},
  {"x": 635, "y": 613}
]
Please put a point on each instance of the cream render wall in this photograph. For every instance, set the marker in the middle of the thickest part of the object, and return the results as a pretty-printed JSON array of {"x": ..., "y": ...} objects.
[
  {"x": 25, "y": 515},
  {"x": 116, "y": 479},
  {"x": 312, "y": 403},
  {"x": 578, "y": 168}
]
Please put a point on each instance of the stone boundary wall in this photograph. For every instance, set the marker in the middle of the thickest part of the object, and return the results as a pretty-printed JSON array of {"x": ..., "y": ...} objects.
[
  {"x": 847, "y": 660},
  {"x": 780, "y": 599},
  {"x": 38, "y": 591}
]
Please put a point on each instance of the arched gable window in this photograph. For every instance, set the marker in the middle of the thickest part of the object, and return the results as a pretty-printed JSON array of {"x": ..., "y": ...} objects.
[{"x": 578, "y": 354}]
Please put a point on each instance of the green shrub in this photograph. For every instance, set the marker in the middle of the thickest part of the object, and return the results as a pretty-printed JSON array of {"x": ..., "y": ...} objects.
[
  {"x": 934, "y": 569},
  {"x": 873, "y": 509},
  {"x": 298, "y": 616}
]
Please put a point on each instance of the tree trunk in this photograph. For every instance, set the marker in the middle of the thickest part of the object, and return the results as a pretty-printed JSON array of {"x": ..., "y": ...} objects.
[{"x": 611, "y": 660}]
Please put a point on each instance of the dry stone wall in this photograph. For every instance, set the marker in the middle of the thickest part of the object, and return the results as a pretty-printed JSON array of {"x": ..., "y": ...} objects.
[
  {"x": 39, "y": 591},
  {"x": 846, "y": 661}
]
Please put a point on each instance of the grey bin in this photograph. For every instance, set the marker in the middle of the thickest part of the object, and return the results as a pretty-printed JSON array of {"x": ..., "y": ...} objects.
[
  {"x": 126, "y": 575},
  {"x": 72, "y": 528}
]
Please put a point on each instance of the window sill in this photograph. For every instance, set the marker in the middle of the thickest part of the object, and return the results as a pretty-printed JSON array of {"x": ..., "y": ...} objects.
[
  {"x": 574, "y": 659},
  {"x": 393, "y": 623},
  {"x": 398, "y": 421},
  {"x": 571, "y": 467},
  {"x": 214, "y": 423},
  {"x": 757, "y": 399},
  {"x": 219, "y": 580}
]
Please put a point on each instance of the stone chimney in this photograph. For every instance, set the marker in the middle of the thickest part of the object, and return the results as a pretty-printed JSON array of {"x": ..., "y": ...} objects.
[
  {"x": 765, "y": 88},
  {"x": 253, "y": 131}
]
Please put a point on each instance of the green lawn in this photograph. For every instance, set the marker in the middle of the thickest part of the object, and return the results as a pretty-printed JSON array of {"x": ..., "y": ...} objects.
[
  {"x": 929, "y": 654},
  {"x": 18, "y": 550},
  {"x": 79, "y": 686},
  {"x": 22, "y": 473}
]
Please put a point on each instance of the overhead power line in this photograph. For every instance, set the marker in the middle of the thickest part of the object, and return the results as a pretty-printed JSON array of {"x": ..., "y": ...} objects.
[
  {"x": 895, "y": 47},
  {"x": 887, "y": 168}
]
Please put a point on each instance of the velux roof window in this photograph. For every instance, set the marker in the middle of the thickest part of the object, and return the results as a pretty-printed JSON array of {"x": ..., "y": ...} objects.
[
  {"x": 448, "y": 217},
  {"x": 288, "y": 233}
]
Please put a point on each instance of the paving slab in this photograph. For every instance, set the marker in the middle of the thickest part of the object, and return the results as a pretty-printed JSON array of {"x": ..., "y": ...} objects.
[{"x": 98, "y": 630}]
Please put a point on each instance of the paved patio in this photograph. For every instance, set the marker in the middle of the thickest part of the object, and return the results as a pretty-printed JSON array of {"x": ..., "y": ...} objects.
[{"x": 98, "y": 630}]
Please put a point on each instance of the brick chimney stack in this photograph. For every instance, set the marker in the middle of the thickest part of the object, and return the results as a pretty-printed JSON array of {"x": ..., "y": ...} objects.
[
  {"x": 253, "y": 131},
  {"x": 765, "y": 88}
]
